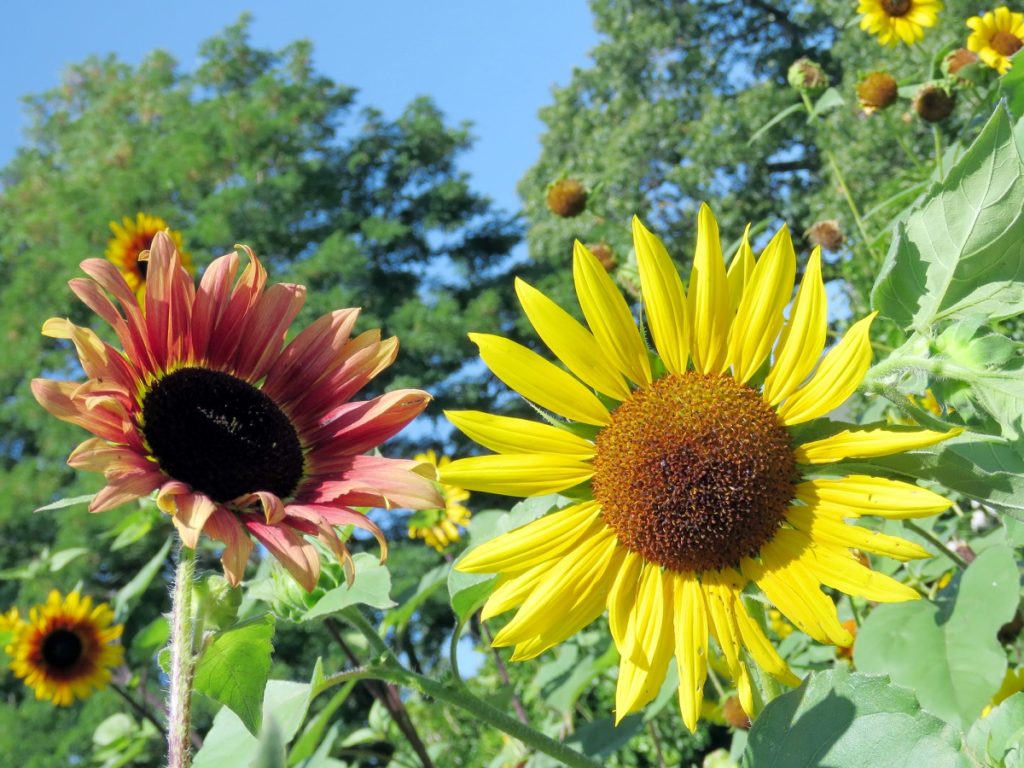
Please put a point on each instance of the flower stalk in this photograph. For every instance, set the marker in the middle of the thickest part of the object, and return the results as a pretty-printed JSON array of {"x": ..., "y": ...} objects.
[{"x": 179, "y": 715}]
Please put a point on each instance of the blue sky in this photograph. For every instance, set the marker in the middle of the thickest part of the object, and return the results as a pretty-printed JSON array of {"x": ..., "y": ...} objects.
[{"x": 493, "y": 64}]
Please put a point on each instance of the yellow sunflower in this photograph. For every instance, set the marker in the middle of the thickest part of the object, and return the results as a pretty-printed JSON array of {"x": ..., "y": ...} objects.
[
  {"x": 437, "y": 527},
  {"x": 690, "y": 480},
  {"x": 132, "y": 237},
  {"x": 996, "y": 37},
  {"x": 66, "y": 648},
  {"x": 893, "y": 21}
]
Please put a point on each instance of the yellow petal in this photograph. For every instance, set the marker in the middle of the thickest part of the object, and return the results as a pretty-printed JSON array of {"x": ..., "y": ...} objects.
[
  {"x": 571, "y": 596},
  {"x": 740, "y": 270},
  {"x": 608, "y": 316},
  {"x": 664, "y": 298},
  {"x": 571, "y": 343},
  {"x": 795, "y": 591},
  {"x": 865, "y": 495},
  {"x": 517, "y": 474},
  {"x": 708, "y": 305},
  {"x": 759, "y": 314},
  {"x": 539, "y": 381},
  {"x": 512, "y": 591},
  {"x": 758, "y": 645},
  {"x": 838, "y": 377},
  {"x": 505, "y": 434},
  {"x": 651, "y": 622},
  {"x": 840, "y": 570},
  {"x": 536, "y": 542},
  {"x": 866, "y": 443},
  {"x": 803, "y": 336},
  {"x": 691, "y": 634},
  {"x": 823, "y": 528},
  {"x": 621, "y": 603}
]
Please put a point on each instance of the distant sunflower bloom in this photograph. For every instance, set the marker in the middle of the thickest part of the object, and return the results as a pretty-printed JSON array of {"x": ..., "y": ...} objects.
[
  {"x": 692, "y": 483},
  {"x": 131, "y": 239},
  {"x": 67, "y": 648},
  {"x": 996, "y": 37},
  {"x": 441, "y": 528},
  {"x": 893, "y": 21},
  {"x": 237, "y": 433}
]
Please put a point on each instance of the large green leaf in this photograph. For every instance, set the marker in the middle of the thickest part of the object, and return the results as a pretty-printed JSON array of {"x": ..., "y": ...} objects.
[
  {"x": 960, "y": 250},
  {"x": 947, "y": 652},
  {"x": 133, "y": 590},
  {"x": 234, "y": 668},
  {"x": 841, "y": 719},
  {"x": 998, "y": 739},
  {"x": 229, "y": 743},
  {"x": 372, "y": 586}
]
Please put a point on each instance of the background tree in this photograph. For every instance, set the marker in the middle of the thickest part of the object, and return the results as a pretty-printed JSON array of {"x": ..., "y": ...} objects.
[{"x": 253, "y": 146}]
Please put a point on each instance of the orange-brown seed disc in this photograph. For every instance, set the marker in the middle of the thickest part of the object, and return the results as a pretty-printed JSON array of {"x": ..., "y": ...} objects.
[{"x": 694, "y": 472}]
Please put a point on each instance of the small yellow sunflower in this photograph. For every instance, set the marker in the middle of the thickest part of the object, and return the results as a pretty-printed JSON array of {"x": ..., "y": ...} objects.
[
  {"x": 996, "y": 37},
  {"x": 132, "y": 237},
  {"x": 66, "y": 648},
  {"x": 893, "y": 21},
  {"x": 689, "y": 476},
  {"x": 437, "y": 527}
]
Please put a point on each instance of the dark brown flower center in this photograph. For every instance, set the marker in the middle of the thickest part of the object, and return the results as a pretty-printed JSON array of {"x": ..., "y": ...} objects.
[
  {"x": 896, "y": 7},
  {"x": 61, "y": 650},
  {"x": 221, "y": 435},
  {"x": 694, "y": 472},
  {"x": 140, "y": 242},
  {"x": 1005, "y": 43}
]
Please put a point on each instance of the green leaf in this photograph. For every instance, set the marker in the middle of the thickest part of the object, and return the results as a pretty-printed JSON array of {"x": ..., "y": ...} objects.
[
  {"x": 271, "y": 754},
  {"x": 829, "y": 100},
  {"x": 234, "y": 668},
  {"x": 947, "y": 652},
  {"x": 229, "y": 742},
  {"x": 782, "y": 115},
  {"x": 372, "y": 586},
  {"x": 65, "y": 503},
  {"x": 841, "y": 719},
  {"x": 432, "y": 581},
  {"x": 307, "y": 743},
  {"x": 960, "y": 250},
  {"x": 59, "y": 559},
  {"x": 130, "y": 592},
  {"x": 1011, "y": 85},
  {"x": 999, "y": 737}
]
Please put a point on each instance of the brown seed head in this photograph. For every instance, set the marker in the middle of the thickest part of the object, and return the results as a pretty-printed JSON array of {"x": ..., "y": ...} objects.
[
  {"x": 896, "y": 8},
  {"x": 567, "y": 198},
  {"x": 877, "y": 91},
  {"x": 826, "y": 233},
  {"x": 933, "y": 103},
  {"x": 694, "y": 472},
  {"x": 732, "y": 712},
  {"x": 1005, "y": 43}
]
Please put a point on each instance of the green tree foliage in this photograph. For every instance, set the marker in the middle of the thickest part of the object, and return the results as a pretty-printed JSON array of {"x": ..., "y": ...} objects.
[
  {"x": 250, "y": 146},
  {"x": 668, "y": 114}
]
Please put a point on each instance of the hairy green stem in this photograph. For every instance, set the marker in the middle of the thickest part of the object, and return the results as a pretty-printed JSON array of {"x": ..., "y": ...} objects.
[
  {"x": 179, "y": 710},
  {"x": 936, "y": 542}
]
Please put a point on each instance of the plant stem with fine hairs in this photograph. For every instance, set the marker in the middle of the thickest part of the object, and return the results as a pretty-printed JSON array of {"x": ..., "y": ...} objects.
[{"x": 179, "y": 710}]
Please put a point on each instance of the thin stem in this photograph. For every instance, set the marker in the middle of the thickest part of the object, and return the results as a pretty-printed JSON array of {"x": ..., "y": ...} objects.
[
  {"x": 854, "y": 210},
  {"x": 355, "y": 617},
  {"x": 937, "y": 137},
  {"x": 936, "y": 542},
  {"x": 140, "y": 709},
  {"x": 179, "y": 714},
  {"x": 387, "y": 695},
  {"x": 652, "y": 729},
  {"x": 481, "y": 710}
]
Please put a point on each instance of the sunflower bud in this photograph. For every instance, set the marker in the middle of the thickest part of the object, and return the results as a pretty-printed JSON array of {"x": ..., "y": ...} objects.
[
  {"x": 957, "y": 60},
  {"x": 826, "y": 233},
  {"x": 933, "y": 103},
  {"x": 877, "y": 91},
  {"x": 807, "y": 76},
  {"x": 604, "y": 254},
  {"x": 567, "y": 198},
  {"x": 733, "y": 714}
]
